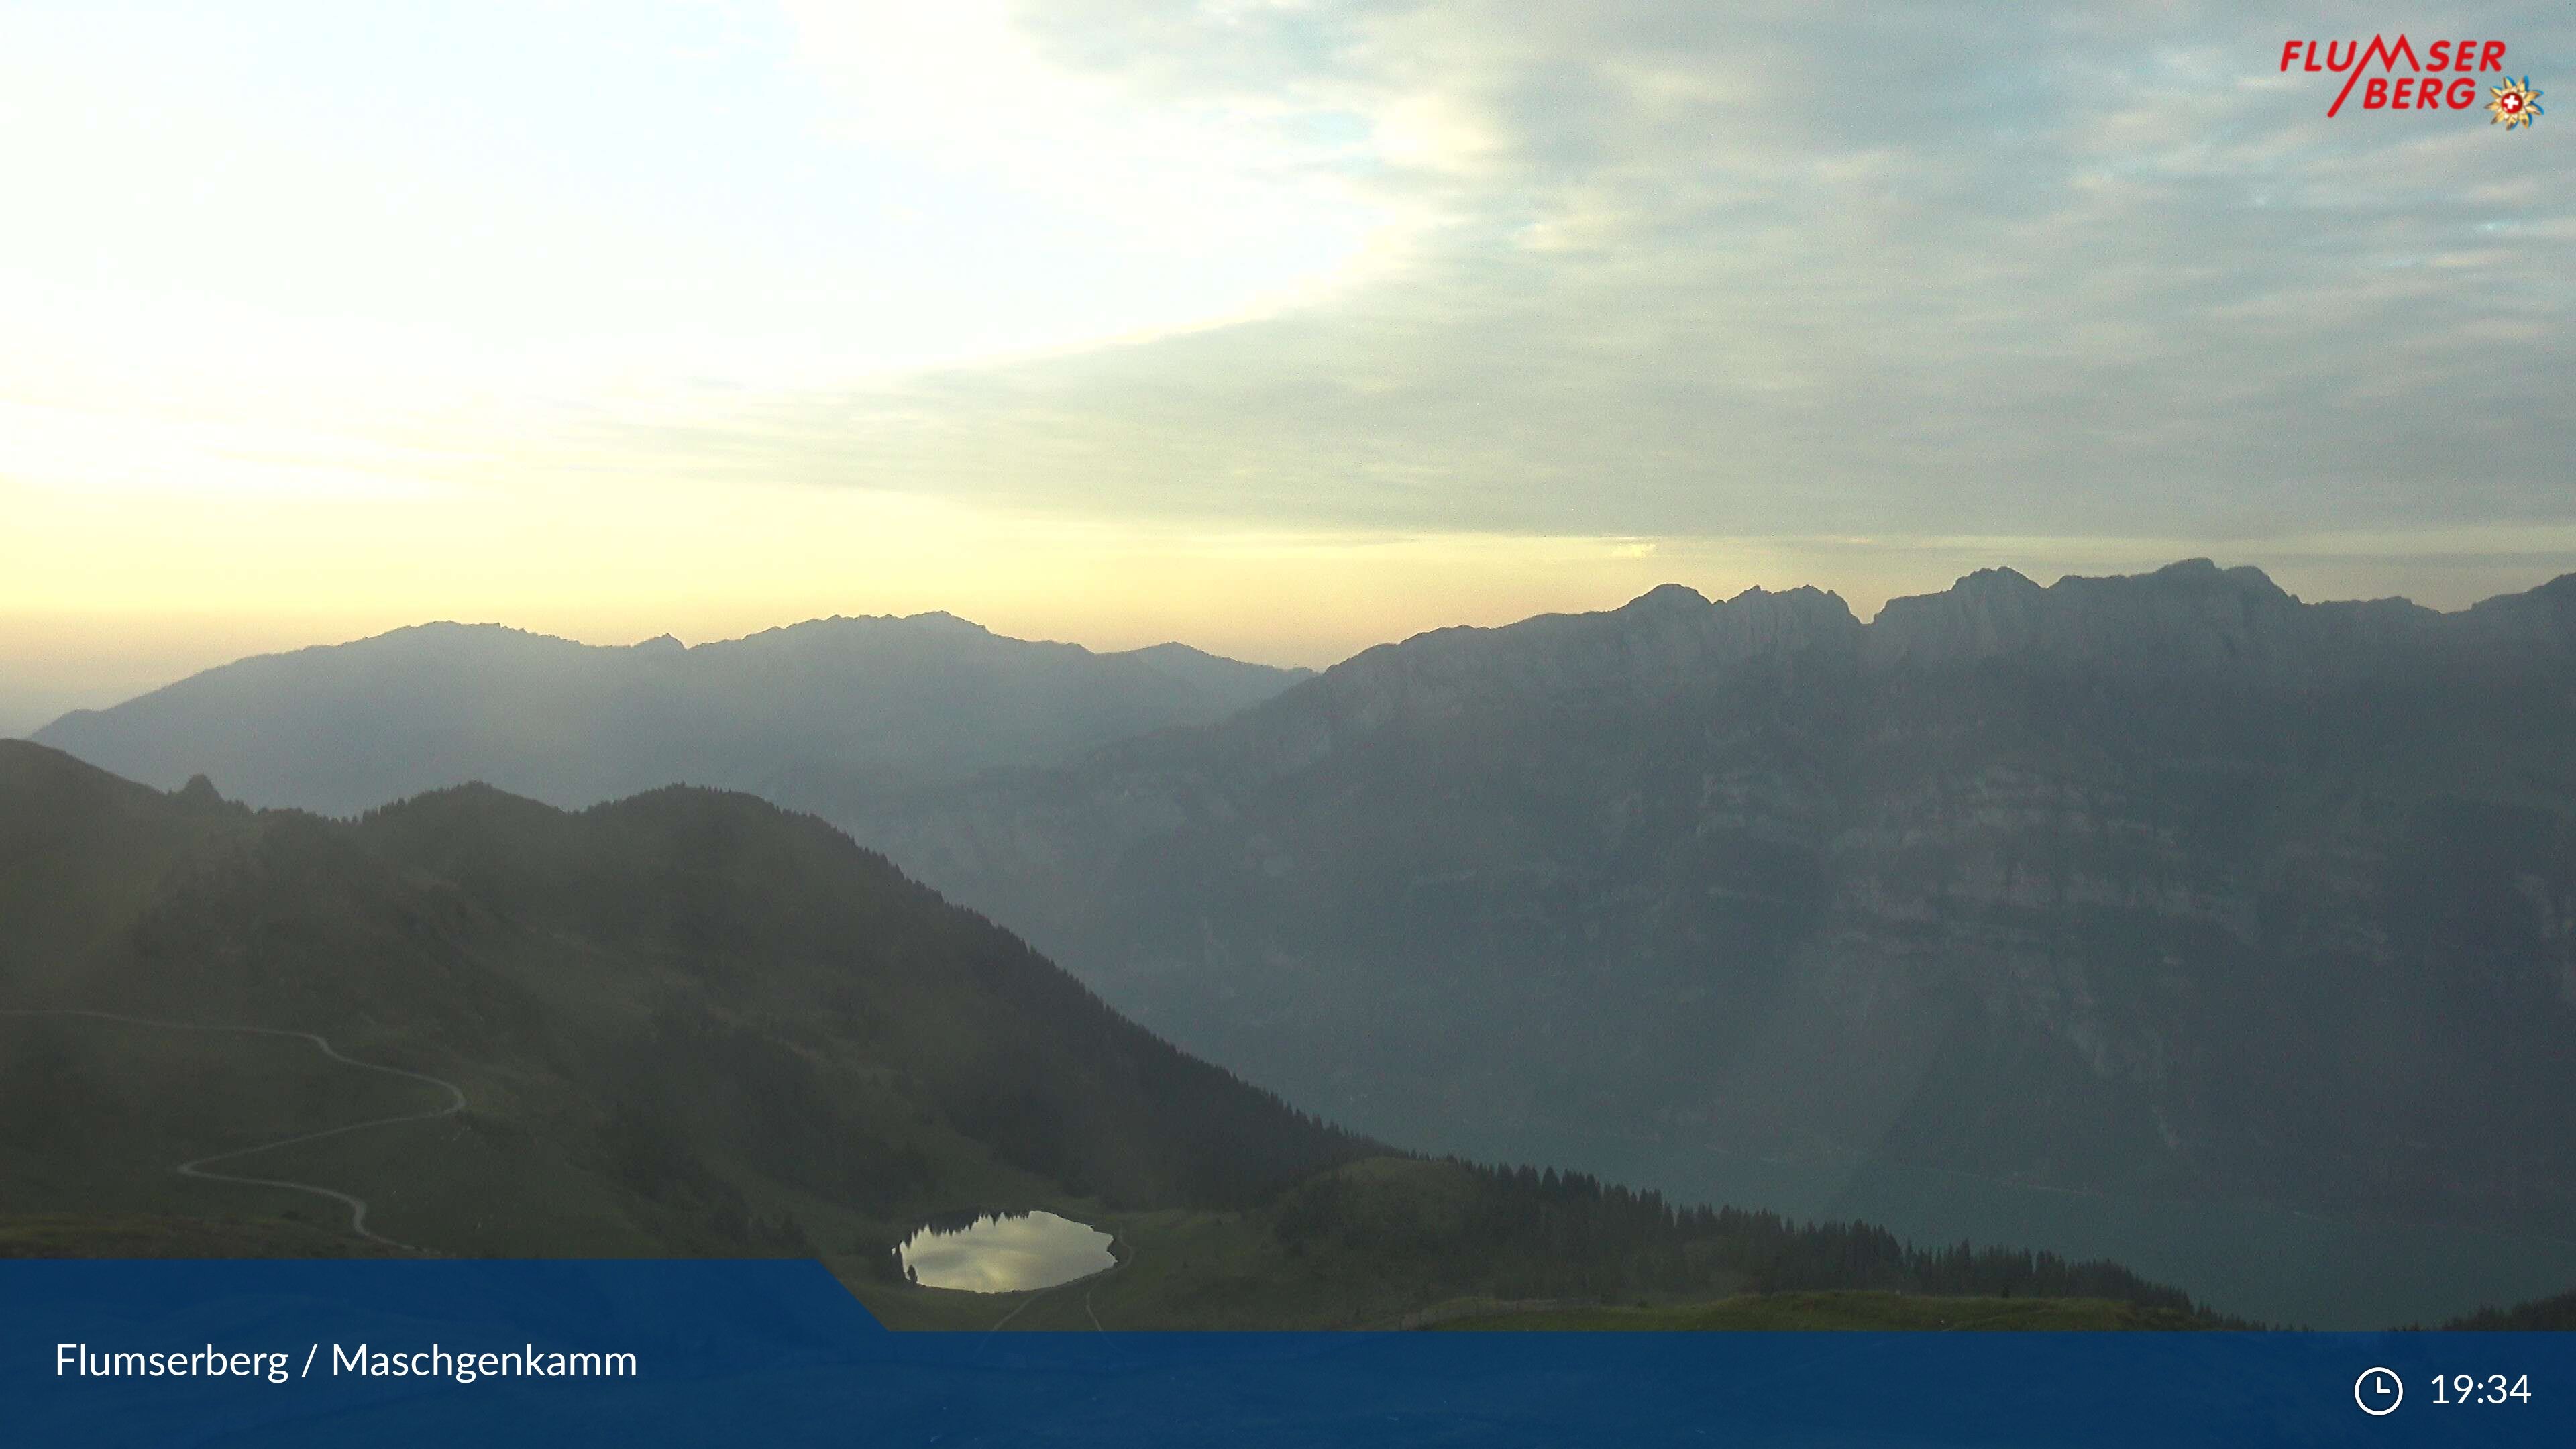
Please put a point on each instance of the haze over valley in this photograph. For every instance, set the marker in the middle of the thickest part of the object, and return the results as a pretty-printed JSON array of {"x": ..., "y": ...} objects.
[
  {"x": 1297, "y": 663},
  {"x": 2163, "y": 918},
  {"x": 691, "y": 1023},
  {"x": 814, "y": 715}
]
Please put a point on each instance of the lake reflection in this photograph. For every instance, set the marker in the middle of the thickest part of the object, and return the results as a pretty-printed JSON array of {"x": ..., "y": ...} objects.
[{"x": 1006, "y": 1252}]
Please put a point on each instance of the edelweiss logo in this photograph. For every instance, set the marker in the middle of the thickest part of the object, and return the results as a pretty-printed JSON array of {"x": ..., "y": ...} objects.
[
  {"x": 2515, "y": 104},
  {"x": 2440, "y": 79}
]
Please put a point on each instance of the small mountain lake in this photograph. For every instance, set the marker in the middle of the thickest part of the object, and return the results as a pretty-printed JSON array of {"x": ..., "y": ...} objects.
[{"x": 1005, "y": 1252}]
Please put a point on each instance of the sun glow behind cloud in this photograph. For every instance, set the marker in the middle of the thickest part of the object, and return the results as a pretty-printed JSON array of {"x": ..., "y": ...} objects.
[
  {"x": 1278, "y": 326},
  {"x": 504, "y": 213},
  {"x": 336, "y": 325}
]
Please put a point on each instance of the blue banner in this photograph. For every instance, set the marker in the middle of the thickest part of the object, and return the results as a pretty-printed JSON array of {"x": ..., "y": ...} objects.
[{"x": 758, "y": 1353}]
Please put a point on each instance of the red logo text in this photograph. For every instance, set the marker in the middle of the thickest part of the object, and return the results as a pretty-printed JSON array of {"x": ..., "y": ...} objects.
[{"x": 2437, "y": 80}]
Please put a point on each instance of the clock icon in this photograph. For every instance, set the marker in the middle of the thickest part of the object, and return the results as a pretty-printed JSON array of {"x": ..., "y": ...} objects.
[{"x": 2378, "y": 1391}]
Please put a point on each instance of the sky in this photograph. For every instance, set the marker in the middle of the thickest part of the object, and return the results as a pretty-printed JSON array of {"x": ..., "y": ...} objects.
[{"x": 1280, "y": 328}]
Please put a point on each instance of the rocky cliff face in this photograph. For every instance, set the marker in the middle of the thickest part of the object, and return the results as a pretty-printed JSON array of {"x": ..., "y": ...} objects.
[
  {"x": 2194, "y": 618},
  {"x": 2168, "y": 883}
]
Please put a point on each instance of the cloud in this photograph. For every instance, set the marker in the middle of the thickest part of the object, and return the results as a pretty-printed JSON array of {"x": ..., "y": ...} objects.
[
  {"x": 594, "y": 316},
  {"x": 1786, "y": 270}
]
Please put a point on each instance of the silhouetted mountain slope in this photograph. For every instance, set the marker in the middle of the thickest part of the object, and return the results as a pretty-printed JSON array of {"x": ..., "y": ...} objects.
[
  {"x": 677, "y": 1018},
  {"x": 690, "y": 1022},
  {"x": 2169, "y": 885},
  {"x": 804, "y": 715}
]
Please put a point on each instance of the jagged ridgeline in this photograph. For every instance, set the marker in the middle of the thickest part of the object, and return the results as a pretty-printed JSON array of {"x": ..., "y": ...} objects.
[{"x": 2162, "y": 887}]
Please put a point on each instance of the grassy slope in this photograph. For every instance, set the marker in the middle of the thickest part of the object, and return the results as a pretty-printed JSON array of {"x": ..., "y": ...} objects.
[
  {"x": 1413, "y": 1243},
  {"x": 689, "y": 1023},
  {"x": 146, "y": 1235},
  {"x": 1208, "y": 1271}
]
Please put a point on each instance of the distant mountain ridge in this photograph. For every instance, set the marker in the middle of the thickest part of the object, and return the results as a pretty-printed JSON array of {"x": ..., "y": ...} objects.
[
  {"x": 804, "y": 714},
  {"x": 2196, "y": 616},
  {"x": 2167, "y": 884},
  {"x": 2158, "y": 888},
  {"x": 2190, "y": 616}
]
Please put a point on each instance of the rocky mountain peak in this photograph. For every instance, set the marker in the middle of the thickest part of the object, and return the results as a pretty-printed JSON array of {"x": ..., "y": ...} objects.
[
  {"x": 2185, "y": 614},
  {"x": 942, "y": 620},
  {"x": 1666, "y": 598}
]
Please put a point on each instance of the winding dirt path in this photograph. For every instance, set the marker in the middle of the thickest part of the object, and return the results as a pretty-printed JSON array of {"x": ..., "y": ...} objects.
[{"x": 196, "y": 1167}]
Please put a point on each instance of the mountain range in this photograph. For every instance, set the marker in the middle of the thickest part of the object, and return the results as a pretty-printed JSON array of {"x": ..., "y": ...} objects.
[
  {"x": 2156, "y": 890},
  {"x": 2167, "y": 886},
  {"x": 809, "y": 715},
  {"x": 689, "y": 1022}
]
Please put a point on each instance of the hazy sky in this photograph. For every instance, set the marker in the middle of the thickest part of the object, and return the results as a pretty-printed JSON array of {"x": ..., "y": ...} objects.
[{"x": 1277, "y": 327}]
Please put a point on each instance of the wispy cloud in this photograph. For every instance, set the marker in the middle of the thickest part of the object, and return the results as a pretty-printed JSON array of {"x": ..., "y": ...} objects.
[
  {"x": 1695, "y": 270},
  {"x": 1273, "y": 325}
]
